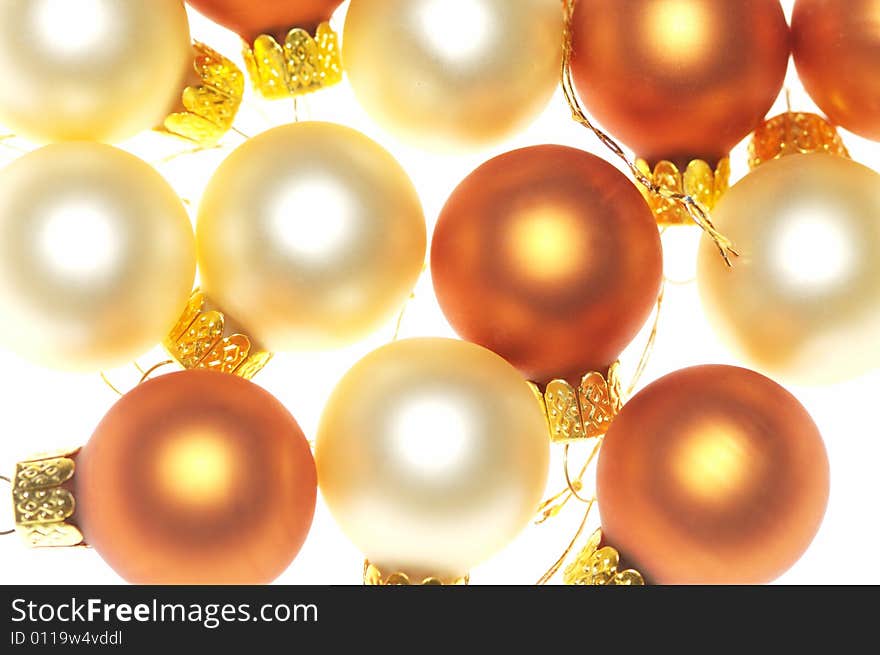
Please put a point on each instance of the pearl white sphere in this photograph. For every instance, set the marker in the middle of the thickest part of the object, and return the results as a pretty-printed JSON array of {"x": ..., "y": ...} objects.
[
  {"x": 310, "y": 235},
  {"x": 97, "y": 256},
  {"x": 432, "y": 455},
  {"x": 100, "y": 70},
  {"x": 802, "y": 301},
  {"x": 453, "y": 73}
]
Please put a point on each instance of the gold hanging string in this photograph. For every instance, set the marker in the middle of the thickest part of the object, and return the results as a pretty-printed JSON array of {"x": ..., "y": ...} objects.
[
  {"x": 401, "y": 315},
  {"x": 548, "y": 575},
  {"x": 111, "y": 385},
  {"x": 153, "y": 369},
  {"x": 145, "y": 375},
  {"x": 574, "y": 485},
  {"x": 648, "y": 350},
  {"x": 194, "y": 149},
  {"x": 239, "y": 133},
  {"x": 679, "y": 283},
  {"x": 556, "y": 503},
  {"x": 697, "y": 213},
  {"x": 578, "y": 484},
  {"x": 188, "y": 151},
  {"x": 406, "y": 304},
  {"x": 548, "y": 509}
]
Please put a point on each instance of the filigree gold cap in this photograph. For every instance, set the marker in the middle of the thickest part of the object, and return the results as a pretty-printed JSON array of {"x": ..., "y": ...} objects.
[
  {"x": 302, "y": 64},
  {"x": 599, "y": 565},
  {"x": 582, "y": 413},
  {"x": 205, "y": 338},
  {"x": 699, "y": 180},
  {"x": 43, "y": 502},
  {"x": 209, "y": 106},
  {"x": 374, "y": 577},
  {"x": 794, "y": 133}
]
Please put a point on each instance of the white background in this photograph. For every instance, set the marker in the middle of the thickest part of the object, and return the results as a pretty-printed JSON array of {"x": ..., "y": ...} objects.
[{"x": 44, "y": 410}]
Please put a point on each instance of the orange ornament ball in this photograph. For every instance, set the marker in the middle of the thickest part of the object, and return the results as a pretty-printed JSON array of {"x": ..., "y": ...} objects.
[
  {"x": 712, "y": 475},
  {"x": 550, "y": 257},
  {"x": 679, "y": 79},
  {"x": 251, "y": 18},
  {"x": 196, "y": 477},
  {"x": 837, "y": 53}
]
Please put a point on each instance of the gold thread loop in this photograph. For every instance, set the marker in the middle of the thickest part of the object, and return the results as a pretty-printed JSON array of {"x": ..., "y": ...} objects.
[
  {"x": 243, "y": 135},
  {"x": 155, "y": 367},
  {"x": 578, "y": 484},
  {"x": 556, "y": 503},
  {"x": 648, "y": 350},
  {"x": 399, "y": 324},
  {"x": 697, "y": 213},
  {"x": 113, "y": 387},
  {"x": 554, "y": 568},
  {"x": 145, "y": 375}
]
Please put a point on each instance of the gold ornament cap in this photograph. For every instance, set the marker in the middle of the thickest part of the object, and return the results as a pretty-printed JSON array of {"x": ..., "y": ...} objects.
[
  {"x": 301, "y": 65},
  {"x": 43, "y": 502},
  {"x": 699, "y": 181},
  {"x": 598, "y": 564},
  {"x": 585, "y": 412},
  {"x": 210, "y": 105},
  {"x": 205, "y": 338},
  {"x": 794, "y": 133},
  {"x": 374, "y": 577}
]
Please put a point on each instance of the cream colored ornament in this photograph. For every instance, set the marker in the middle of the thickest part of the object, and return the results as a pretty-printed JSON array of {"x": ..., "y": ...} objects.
[
  {"x": 432, "y": 455},
  {"x": 310, "y": 235},
  {"x": 453, "y": 73},
  {"x": 99, "y": 70},
  {"x": 802, "y": 301},
  {"x": 97, "y": 256}
]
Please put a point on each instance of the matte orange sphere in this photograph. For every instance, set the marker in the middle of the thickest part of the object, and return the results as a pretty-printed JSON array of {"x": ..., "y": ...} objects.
[
  {"x": 712, "y": 475},
  {"x": 550, "y": 257},
  {"x": 679, "y": 79},
  {"x": 837, "y": 53},
  {"x": 251, "y": 18},
  {"x": 196, "y": 477}
]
